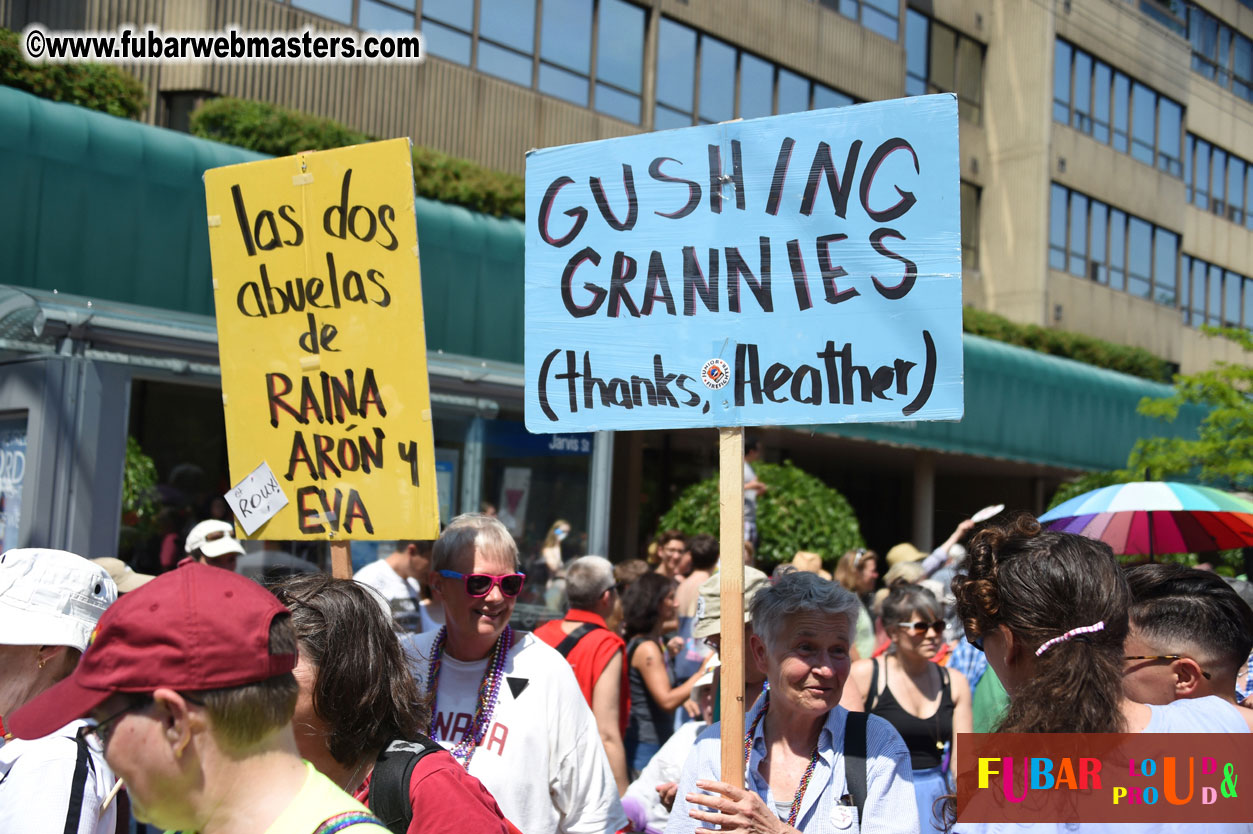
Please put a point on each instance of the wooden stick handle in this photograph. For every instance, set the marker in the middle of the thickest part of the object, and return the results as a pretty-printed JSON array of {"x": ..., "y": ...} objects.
[
  {"x": 731, "y": 548},
  {"x": 341, "y": 560}
]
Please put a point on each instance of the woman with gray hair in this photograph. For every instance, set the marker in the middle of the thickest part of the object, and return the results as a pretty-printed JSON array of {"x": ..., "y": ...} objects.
[
  {"x": 505, "y": 703},
  {"x": 803, "y": 772},
  {"x": 926, "y": 703}
]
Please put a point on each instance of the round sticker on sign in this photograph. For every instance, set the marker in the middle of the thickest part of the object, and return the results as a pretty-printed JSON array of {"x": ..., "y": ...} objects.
[{"x": 715, "y": 374}]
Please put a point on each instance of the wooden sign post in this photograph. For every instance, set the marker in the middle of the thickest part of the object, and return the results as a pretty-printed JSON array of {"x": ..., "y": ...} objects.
[
  {"x": 794, "y": 270},
  {"x": 731, "y": 650},
  {"x": 322, "y": 344}
]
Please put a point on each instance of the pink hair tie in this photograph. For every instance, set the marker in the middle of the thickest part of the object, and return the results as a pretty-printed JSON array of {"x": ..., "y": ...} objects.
[{"x": 1074, "y": 632}]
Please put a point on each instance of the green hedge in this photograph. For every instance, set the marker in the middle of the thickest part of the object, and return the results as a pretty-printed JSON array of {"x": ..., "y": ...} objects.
[
  {"x": 96, "y": 86},
  {"x": 1121, "y": 358},
  {"x": 797, "y": 512},
  {"x": 270, "y": 129}
]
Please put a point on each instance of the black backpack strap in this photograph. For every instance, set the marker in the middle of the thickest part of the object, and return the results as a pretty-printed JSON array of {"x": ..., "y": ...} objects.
[
  {"x": 872, "y": 697},
  {"x": 572, "y": 639},
  {"x": 855, "y": 761},
  {"x": 78, "y": 787},
  {"x": 389, "y": 785}
]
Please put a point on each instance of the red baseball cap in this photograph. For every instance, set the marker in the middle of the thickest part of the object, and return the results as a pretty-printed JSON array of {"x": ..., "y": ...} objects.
[{"x": 195, "y": 628}]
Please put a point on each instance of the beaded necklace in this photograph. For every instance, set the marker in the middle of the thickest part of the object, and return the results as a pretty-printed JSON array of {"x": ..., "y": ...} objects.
[
  {"x": 489, "y": 690},
  {"x": 809, "y": 771}
]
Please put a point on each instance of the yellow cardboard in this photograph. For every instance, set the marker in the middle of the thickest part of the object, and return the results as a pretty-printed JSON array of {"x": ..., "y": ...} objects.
[{"x": 322, "y": 342}]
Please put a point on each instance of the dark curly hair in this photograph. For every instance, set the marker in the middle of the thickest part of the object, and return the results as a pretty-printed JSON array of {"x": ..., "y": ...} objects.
[
  {"x": 1041, "y": 584},
  {"x": 641, "y": 602},
  {"x": 364, "y": 689}
]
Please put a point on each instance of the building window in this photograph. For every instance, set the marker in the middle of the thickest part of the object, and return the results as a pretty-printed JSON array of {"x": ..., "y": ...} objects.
[
  {"x": 1220, "y": 53},
  {"x": 1096, "y": 99},
  {"x": 880, "y": 16},
  {"x": 939, "y": 59},
  {"x": 703, "y": 80},
  {"x": 1092, "y": 240},
  {"x": 970, "y": 195},
  {"x": 1217, "y": 181},
  {"x": 1215, "y": 296},
  {"x": 501, "y": 38}
]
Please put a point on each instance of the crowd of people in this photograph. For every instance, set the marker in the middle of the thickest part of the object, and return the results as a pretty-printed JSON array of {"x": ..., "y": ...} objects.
[{"x": 404, "y": 699}]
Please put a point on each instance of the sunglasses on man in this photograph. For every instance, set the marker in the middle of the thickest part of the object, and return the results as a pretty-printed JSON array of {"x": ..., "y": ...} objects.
[{"x": 481, "y": 584}]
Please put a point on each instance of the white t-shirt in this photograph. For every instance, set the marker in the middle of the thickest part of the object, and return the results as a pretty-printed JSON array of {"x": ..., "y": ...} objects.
[
  {"x": 400, "y": 597},
  {"x": 38, "y": 779},
  {"x": 541, "y": 756},
  {"x": 665, "y": 766}
]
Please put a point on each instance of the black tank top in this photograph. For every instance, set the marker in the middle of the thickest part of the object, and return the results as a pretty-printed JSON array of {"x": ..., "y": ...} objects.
[
  {"x": 925, "y": 737},
  {"x": 648, "y": 721}
]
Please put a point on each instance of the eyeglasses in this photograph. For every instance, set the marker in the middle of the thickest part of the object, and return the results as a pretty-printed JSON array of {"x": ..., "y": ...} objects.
[
  {"x": 1165, "y": 657},
  {"x": 102, "y": 729},
  {"x": 920, "y": 627},
  {"x": 862, "y": 555},
  {"x": 481, "y": 584}
]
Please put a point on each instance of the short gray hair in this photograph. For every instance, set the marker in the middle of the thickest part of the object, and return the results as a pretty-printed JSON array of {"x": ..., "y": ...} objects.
[
  {"x": 586, "y": 579},
  {"x": 468, "y": 532},
  {"x": 800, "y": 593}
]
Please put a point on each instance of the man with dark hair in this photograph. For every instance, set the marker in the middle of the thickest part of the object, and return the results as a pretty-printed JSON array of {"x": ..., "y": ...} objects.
[
  {"x": 672, "y": 555},
  {"x": 398, "y": 578},
  {"x": 1189, "y": 635},
  {"x": 595, "y": 653},
  {"x": 189, "y": 684}
]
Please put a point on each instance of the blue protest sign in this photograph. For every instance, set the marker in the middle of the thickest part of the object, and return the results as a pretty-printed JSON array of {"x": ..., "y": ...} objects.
[{"x": 796, "y": 269}]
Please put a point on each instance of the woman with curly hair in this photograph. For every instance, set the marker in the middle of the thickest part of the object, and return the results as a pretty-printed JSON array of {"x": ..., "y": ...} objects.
[
  {"x": 1050, "y": 611},
  {"x": 647, "y": 605}
]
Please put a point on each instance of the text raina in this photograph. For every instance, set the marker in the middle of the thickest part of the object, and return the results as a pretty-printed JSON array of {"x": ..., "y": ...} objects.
[
  {"x": 700, "y": 281},
  {"x": 836, "y": 379}
]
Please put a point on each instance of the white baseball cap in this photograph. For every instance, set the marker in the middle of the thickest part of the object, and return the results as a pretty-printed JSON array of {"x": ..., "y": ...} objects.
[
  {"x": 51, "y": 598},
  {"x": 213, "y": 538}
]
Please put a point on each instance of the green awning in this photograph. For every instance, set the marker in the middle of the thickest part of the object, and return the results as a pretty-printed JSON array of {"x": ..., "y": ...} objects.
[
  {"x": 107, "y": 208},
  {"x": 1027, "y": 406}
]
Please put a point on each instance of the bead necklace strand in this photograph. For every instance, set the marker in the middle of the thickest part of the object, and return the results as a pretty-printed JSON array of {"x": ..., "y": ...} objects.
[
  {"x": 809, "y": 771},
  {"x": 489, "y": 691}
]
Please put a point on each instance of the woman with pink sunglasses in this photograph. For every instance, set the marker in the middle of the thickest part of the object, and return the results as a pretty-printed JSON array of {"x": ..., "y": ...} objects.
[{"x": 505, "y": 703}]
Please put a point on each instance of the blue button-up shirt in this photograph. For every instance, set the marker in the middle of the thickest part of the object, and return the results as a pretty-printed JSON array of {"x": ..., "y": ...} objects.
[{"x": 890, "y": 806}]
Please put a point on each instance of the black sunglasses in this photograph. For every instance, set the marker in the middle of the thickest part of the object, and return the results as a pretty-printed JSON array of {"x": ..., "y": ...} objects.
[
  {"x": 920, "y": 627},
  {"x": 103, "y": 729}
]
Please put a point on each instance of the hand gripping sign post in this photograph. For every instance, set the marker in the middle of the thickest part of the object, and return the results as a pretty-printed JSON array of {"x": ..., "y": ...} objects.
[
  {"x": 793, "y": 270},
  {"x": 322, "y": 345}
]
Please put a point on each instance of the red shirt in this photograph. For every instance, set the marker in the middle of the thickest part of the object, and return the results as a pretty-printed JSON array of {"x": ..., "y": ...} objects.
[
  {"x": 446, "y": 799},
  {"x": 590, "y": 656}
]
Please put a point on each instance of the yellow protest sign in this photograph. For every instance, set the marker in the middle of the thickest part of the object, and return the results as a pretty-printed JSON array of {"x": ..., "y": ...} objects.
[{"x": 321, "y": 340}]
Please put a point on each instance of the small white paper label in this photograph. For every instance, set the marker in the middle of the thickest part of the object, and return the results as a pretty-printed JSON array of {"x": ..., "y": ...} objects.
[{"x": 256, "y": 499}]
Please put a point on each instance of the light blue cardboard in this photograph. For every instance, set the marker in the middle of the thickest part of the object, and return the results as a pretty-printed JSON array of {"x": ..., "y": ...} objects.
[{"x": 798, "y": 269}]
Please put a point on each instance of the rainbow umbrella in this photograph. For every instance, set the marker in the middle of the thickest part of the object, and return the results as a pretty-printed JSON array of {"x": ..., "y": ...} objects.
[{"x": 1150, "y": 517}]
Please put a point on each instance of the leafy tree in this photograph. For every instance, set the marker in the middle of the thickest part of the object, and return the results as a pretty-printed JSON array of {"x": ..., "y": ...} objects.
[
  {"x": 797, "y": 512},
  {"x": 1221, "y": 454},
  {"x": 96, "y": 86}
]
